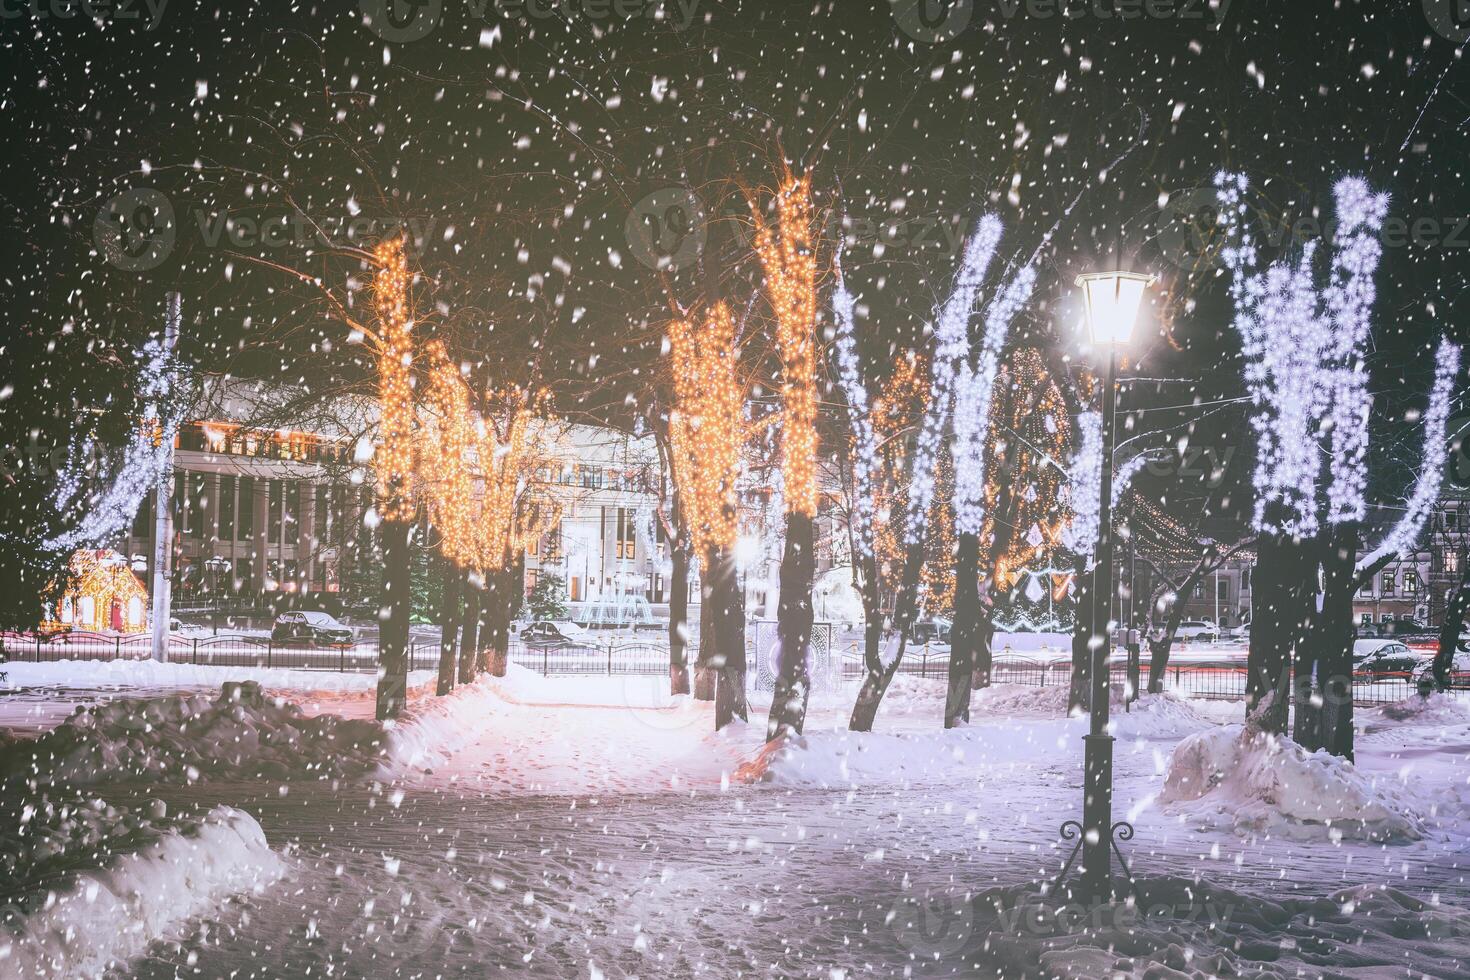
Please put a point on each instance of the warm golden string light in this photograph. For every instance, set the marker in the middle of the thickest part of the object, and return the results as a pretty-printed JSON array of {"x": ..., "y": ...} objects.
[
  {"x": 394, "y": 457},
  {"x": 707, "y": 427},
  {"x": 1032, "y": 415},
  {"x": 444, "y": 461},
  {"x": 788, "y": 256}
]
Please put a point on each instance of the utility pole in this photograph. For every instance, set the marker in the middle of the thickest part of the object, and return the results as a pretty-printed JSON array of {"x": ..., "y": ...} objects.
[{"x": 163, "y": 518}]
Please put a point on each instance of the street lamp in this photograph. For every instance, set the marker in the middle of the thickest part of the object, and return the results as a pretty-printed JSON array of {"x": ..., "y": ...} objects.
[{"x": 1112, "y": 301}]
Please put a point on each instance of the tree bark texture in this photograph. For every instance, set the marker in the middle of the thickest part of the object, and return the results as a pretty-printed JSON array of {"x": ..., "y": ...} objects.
[{"x": 793, "y": 629}]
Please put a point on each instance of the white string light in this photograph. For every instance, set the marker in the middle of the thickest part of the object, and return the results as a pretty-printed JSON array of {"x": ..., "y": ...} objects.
[
  {"x": 850, "y": 379},
  {"x": 1405, "y": 534},
  {"x": 1303, "y": 354},
  {"x": 144, "y": 462},
  {"x": 1084, "y": 477},
  {"x": 974, "y": 392},
  {"x": 951, "y": 349}
]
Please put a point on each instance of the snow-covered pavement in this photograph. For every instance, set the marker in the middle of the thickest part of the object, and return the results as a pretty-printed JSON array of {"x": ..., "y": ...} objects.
[{"x": 593, "y": 826}]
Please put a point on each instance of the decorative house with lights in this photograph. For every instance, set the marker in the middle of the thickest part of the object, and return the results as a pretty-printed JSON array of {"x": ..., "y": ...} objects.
[{"x": 104, "y": 595}]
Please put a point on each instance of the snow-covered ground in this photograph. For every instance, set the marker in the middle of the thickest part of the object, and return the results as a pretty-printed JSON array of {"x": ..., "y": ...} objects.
[{"x": 594, "y": 826}]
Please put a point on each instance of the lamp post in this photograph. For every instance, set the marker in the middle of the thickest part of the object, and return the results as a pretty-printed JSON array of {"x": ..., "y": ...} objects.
[{"x": 1112, "y": 301}]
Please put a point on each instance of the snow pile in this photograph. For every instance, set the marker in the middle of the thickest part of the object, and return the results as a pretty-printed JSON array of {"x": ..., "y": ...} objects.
[
  {"x": 1182, "y": 927},
  {"x": 1152, "y": 715},
  {"x": 841, "y": 759},
  {"x": 183, "y": 738},
  {"x": 1436, "y": 709},
  {"x": 152, "y": 878},
  {"x": 89, "y": 674},
  {"x": 1262, "y": 783},
  {"x": 433, "y": 730}
]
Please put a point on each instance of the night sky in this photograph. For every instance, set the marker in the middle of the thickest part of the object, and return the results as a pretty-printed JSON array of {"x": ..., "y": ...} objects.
[{"x": 516, "y": 139}]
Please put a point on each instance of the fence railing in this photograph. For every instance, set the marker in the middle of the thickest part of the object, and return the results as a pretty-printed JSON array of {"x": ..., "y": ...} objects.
[{"x": 1222, "y": 681}]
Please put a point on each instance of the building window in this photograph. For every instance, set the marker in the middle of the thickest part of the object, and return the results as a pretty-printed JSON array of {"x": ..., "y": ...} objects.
[
  {"x": 626, "y": 542},
  {"x": 1385, "y": 584},
  {"x": 245, "y": 526},
  {"x": 323, "y": 509},
  {"x": 591, "y": 476},
  {"x": 1452, "y": 562},
  {"x": 291, "y": 513},
  {"x": 273, "y": 513},
  {"x": 1411, "y": 583},
  {"x": 227, "y": 508},
  {"x": 198, "y": 501}
]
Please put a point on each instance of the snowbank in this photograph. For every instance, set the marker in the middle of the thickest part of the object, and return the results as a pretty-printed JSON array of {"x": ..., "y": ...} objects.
[
  {"x": 86, "y": 674},
  {"x": 1261, "y": 783},
  {"x": 1436, "y": 709},
  {"x": 842, "y": 759},
  {"x": 433, "y": 730},
  {"x": 88, "y": 921},
  {"x": 186, "y": 737}
]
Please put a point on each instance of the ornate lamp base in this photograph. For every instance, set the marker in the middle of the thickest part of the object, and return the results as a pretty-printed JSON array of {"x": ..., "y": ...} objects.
[{"x": 1072, "y": 830}]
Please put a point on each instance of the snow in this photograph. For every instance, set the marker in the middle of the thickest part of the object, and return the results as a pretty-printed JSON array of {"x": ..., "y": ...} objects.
[
  {"x": 186, "y": 737},
  {"x": 547, "y": 824},
  {"x": 104, "y": 674},
  {"x": 85, "y": 921},
  {"x": 1260, "y": 783}
]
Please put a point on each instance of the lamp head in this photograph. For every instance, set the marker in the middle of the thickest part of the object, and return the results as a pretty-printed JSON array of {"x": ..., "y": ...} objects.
[{"x": 1112, "y": 301}]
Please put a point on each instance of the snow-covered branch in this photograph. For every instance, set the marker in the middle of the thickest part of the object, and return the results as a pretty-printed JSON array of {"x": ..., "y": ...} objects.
[
  {"x": 952, "y": 343},
  {"x": 1405, "y": 534}
]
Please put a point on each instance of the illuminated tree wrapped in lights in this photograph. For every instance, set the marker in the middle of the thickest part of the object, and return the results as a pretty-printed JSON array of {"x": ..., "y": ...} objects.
[
  {"x": 951, "y": 350},
  {"x": 787, "y": 254},
  {"x": 1305, "y": 353},
  {"x": 107, "y": 512},
  {"x": 449, "y": 491},
  {"x": 974, "y": 394},
  {"x": 393, "y": 460},
  {"x": 706, "y": 434}
]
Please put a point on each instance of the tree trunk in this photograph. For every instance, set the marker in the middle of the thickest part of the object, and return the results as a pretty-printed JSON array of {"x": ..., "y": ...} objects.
[
  {"x": 793, "y": 630},
  {"x": 393, "y": 626},
  {"x": 878, "y": 675},
  {"x": 984, "y": 646},
  {"x": 964, "y": 633},
  {"x": 872, "y": 611},
  {"x": 705, "y": 672},
  {"x": 1078, "y": 690},
  {"x": 469, "y": 643},
  {"x": 1160, "y": 649},
  {"x": 502, "y": 606},
  {"x": 1277, "y": 616},
  {"x": 1324, "y": 679},
  {"x": 678, "y": 619},
  {"x": 448, "y": 625},
  {"x": 1449, "y": 630},
  {"x": 729, "y": 646}
]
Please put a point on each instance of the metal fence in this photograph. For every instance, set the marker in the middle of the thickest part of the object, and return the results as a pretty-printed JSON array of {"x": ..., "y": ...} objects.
[
  {"x": 224, "y": 650},
  {"x": 1221, "y": 681}
]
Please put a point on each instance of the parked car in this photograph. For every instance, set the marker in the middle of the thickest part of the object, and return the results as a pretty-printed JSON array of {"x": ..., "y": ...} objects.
[
  {"x": 1460, "y": 664},
  {"x": 1378, "y": 657},
  {"x": 930, "y": 631},
  {"x": 1198, "y": 630},
  {"x": 310, "y": 627},
  {"x": 557, "y": 633}
]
